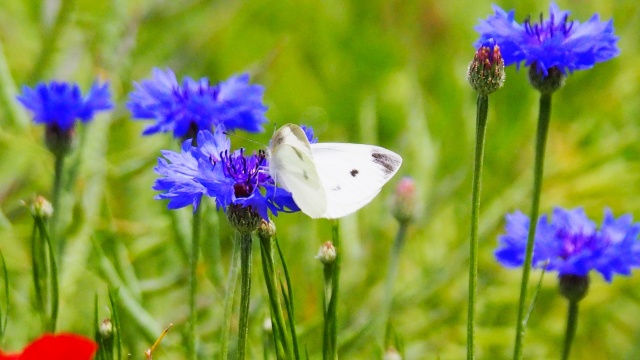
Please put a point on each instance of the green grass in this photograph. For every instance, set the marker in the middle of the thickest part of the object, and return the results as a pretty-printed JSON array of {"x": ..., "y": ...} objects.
[{"x": 385, "y": 72}]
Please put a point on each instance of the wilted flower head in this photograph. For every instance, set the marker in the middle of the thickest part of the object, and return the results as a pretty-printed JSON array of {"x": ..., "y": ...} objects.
[
  {"x": 231, "y": 177},
  {"x": 59, "y": 104},
  {"x": 486, "y": 70},
  {"x": 571, "y": 244},
  {"x": 56, "y": 347},
  {"x": 186, "y": 108},
  {"x": 555, "y": 42}
]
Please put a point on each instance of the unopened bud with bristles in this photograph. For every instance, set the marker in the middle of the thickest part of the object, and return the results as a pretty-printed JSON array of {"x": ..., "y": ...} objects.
[
  {"x": 486, "y": 71},
  {"x": 40, "y": 207},
  {"x": 327, "y": 253},
  {"x": 267, "y": 229}
]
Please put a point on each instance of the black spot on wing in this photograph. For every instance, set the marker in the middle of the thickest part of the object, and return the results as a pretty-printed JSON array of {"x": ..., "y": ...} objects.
[
  {"x": 304, "y": 173},
  {"x": 388, "y": 163},
  {"x": 354, "y": 172}
]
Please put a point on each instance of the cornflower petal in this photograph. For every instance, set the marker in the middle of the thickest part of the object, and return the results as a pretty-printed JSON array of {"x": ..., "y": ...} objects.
[
  {"x": 59, "y": 104},
  {"x": 555, "y": 42},
  {"x": 183, "y": 108},
  {"x": 572, "y": 244},
  {"x": 231, "y": 178}
]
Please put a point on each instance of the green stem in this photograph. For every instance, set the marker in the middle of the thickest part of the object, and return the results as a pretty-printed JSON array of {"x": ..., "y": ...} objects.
[
  {"x": 541, "y": 140},
  {"x": 52, "y": 273},
  {"x": 289, "y": 301},
  {"x": 193, "y": 283},
  {"x": 245, "y": 292},
  {"x": 572, "y": 325},
  {"x": 55, "y": 203},
  {"x": 280, "y": 335},
  {"x": 481, "y": 127},
  {"x": 50, "y": 40},
  {"x": 37, "y": 260},
  {"x": 228, "y": 301},
  {"x": 326, "y": 299},
  {"x": 392, "y": 272},
  {"x": 331, "y": 319}
]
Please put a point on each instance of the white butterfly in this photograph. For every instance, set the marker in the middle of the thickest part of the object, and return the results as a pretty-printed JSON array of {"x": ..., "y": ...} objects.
[{"x": 329, "y": 180}]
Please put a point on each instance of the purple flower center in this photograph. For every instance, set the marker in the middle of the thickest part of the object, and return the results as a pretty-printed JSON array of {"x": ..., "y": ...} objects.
[
  {"x": 244, "y": 170},
  {"x": 547, "y": 29},
  {"x": 576, "y": 243}
]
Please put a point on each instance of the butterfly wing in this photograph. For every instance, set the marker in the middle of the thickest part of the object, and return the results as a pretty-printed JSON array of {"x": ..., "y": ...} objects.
[
  {"x": 292, "y": 167},
  {"x": 352, "y": 174}
]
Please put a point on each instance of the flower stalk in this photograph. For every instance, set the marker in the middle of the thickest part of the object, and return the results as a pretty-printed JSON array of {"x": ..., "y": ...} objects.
[
  {"x": 392, "y": 273},
  {"x": 538, "y": 170},
  {"x": 485, "y": 75},
  {"x": 481, "y": 126},
  {"x": 245, "y": 292},
  {"x": 279, "y": 329},
  {"x": 572, "y": 325},
  {"x": 193, "y": 283},
  {"x": 332, "y": 286},
  {"x": 55, "y": 202},
  {"x": 45, "y": 273}
]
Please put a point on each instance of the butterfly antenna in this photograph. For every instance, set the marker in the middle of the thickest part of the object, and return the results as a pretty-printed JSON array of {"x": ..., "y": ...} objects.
[{"x": 243, "y": 138}]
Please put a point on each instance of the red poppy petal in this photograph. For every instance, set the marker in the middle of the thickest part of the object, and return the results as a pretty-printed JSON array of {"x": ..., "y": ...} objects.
[
  {"x": 60, "y": 347},
  {"x": 4, "y": 356}
]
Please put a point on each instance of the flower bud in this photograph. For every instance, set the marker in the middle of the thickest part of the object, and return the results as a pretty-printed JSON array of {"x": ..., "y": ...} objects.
[
  {"x": 392, "y": 354},
  {"x": 267, "y": 230},
  {"x": 41, "y": 207},
  {"x": 327, "y": 253},
  {"x": 546, "y": 84},
  {"x": 106, "y": 329},
  {"x": 486, "y": 71},
  {"x": 574, "y": 287},
  {"x": 404, "y": 201}
]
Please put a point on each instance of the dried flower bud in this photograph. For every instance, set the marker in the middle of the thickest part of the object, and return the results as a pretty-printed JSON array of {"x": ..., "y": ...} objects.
[
  {"x": 41, "y": 207},
  {"x": 486, "y": 71},
  {"x": 405, "y": 200},
  {"x": 327, "y": 253}
]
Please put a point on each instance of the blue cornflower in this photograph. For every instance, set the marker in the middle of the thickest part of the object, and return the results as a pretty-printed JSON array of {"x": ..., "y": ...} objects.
[
  {"x": 231, "y": 178},
  {"x": 571, "y": 244},
  {"x": 308, "y": 131},
  {"x": 59, "y": 104},
  {"x": 197, "y": 105},
  {"x": 555, "y": 42}
]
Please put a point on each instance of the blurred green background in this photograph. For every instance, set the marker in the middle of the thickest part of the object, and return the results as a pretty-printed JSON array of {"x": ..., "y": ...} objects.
[{"x": 383, "y": 72}]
